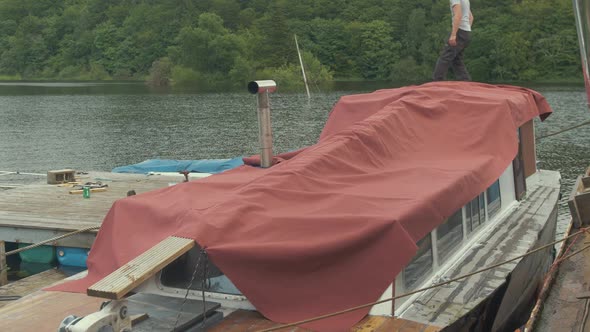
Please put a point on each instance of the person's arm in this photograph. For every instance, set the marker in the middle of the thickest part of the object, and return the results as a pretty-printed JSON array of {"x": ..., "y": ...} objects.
[
  {"x": 457, "y": 13},
  {"x": 470, "y": 19}
]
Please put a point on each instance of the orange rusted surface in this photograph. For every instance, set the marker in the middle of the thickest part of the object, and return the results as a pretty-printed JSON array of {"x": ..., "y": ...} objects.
[{"x": 250, "y": 321}]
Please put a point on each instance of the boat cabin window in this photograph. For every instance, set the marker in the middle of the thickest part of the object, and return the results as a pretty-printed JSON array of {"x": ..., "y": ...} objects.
[
  {"x": 494, "y": 200},
  {"x": 421, "y": 264},
  {"x": 475, "y": 213},
  {"x": 178, "y": 274},
  {"x": 449, "y": 236}
]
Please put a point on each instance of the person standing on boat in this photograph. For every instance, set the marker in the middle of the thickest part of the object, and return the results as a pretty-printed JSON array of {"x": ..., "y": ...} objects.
[{"x": 452, "y": 53}]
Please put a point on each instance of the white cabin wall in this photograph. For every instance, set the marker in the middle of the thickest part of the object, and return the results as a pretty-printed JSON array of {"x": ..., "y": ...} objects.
[{"x": 383, "y": 309}]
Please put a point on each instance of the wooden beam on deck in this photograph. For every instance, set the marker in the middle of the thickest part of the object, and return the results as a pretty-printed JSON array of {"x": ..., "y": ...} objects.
[{"x": 117, "y": 284}]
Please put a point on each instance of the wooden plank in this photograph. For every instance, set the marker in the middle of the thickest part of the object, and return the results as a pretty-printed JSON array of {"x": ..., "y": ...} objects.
[
  {"x": 43, "y": 311},
  {"x": 527, "y": 141},
  {"x": 129, "y": 276},
  {"x": 584, "y": 295},
  {"x": 571, "y": 203},
  {"x": 582, "y": 201},
  {"x": 30, "y": 285},
  {"x": 3, "y": 266},
  {"x": 370, "y": 324},
  {"x": 244, "y": 320},
  {"x": 93, "y": 190}
]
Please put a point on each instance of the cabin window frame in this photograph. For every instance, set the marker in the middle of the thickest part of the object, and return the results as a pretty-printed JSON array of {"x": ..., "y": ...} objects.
[
  {"x": 423, "y": 275},
  {"x": 507, "y": 196},
  {"x": 441, "y": 255}
]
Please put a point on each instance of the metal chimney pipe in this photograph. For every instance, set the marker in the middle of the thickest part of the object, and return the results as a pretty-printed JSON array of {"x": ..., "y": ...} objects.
[{"x": 263, "y": 89}]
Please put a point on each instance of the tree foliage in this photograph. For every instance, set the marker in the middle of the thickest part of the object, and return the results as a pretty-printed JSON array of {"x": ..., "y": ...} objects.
[{"x": 216, "y": 43}]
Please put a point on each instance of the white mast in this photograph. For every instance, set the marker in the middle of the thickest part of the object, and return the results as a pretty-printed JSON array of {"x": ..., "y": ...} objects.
[{"x": 302, "y": 69}]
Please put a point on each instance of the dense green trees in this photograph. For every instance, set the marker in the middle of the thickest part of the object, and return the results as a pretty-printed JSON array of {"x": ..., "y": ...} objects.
[{"x": 216, "y": 43}]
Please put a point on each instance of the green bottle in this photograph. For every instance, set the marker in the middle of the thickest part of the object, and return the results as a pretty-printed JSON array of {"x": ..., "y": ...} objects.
[{"x": 86, "y": 192}]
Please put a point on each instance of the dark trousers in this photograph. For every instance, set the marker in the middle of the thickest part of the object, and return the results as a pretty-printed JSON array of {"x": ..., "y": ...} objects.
[{"x": 453, "y": 56}]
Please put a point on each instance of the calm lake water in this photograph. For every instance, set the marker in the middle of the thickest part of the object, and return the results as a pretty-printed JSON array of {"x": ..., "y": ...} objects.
[{"x": 99, "y": 126}]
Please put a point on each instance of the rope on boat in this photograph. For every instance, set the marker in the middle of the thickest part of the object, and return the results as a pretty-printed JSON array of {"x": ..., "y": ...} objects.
[
  {"x": 280, "y": 327},
  {"x": 83, "y": 230},
  {"x": 564, "y": 130}
]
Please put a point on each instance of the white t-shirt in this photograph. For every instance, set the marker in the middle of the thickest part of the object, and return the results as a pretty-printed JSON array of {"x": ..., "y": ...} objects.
[{"x": 465, "y": 10}]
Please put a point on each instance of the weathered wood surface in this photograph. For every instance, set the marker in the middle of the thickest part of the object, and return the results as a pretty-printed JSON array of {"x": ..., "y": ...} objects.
[
  {"x": 566, "y": 307},
  {"x": 510, "y": 238},
  {"x": 117, "y": 284},
  {"x": 43, "y": 311},
  {"x": 34, "y": 212},
  {"x": 250, "y": 321},
  {"x": 30, "y": 285},
  {"x": 3, "y": 266}
]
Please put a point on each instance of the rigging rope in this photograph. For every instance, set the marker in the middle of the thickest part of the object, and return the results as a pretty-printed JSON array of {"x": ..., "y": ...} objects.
[
  {"x": 280, "y": 327},
  {"x": 564, "y": 130}
]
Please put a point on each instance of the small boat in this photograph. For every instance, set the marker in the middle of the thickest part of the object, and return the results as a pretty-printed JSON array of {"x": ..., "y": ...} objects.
[{"x": 406, "y": 189}]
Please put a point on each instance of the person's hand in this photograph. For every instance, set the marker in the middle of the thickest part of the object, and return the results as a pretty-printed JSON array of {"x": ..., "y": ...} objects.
[{"x": 453, "y": 40}]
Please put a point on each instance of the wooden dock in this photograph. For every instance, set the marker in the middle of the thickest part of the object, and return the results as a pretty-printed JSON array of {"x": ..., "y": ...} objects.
[
  {"x": 15, "y": 290},
  {"x": 34, "y": 212}
]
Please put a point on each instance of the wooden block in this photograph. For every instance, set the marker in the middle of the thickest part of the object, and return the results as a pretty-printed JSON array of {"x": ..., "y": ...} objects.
[
  {"x": 117, "y": 284},
  {"x": 571, "y": 202},
  {"x": 136, "y": 319},
  {"x": 3, "y": 266},
  {"x": 61, "y": 176},
  {"x": 583, "y": 207}
]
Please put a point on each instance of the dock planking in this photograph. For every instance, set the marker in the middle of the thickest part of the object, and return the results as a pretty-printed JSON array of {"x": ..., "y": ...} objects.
[
  {"x": 34, "y": 212},
  {"x": 29, "y": 285}
]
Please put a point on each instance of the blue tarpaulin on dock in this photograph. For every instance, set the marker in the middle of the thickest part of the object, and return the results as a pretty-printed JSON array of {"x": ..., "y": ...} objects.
[{"x": 166, "y": 165}]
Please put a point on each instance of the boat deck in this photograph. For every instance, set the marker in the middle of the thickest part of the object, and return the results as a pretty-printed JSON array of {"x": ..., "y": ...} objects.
[
  {"x": 251, "y": 321},
  {"x": 38, "y": 211},
  {"x": 511, "y": 237},
  {"x": 39, "y": 312}
]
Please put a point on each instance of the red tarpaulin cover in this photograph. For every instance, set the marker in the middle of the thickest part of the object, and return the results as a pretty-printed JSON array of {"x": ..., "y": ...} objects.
[{"x": 330, "y": 227}]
